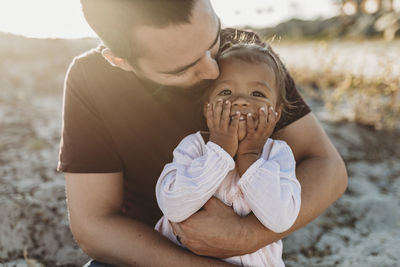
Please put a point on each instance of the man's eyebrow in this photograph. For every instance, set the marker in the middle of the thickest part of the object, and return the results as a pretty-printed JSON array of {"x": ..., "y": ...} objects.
[{"x": 180, "y": 69}]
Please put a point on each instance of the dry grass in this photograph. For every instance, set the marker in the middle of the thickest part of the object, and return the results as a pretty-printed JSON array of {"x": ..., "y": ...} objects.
[{"x": 369, "y": 101}]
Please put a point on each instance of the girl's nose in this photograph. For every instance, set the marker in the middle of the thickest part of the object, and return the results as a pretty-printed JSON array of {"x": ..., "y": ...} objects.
[{"x": 239, "y": 101}]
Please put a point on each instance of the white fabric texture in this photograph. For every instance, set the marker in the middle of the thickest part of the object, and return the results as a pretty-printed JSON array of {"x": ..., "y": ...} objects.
[{"x": 269, "y": 188}]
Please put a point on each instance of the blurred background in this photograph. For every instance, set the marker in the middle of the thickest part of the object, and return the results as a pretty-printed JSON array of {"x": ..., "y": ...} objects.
[{"x": 344, "y": 56}]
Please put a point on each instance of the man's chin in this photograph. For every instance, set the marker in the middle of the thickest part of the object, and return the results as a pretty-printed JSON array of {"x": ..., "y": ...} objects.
[{"x": 199, "y": 85}]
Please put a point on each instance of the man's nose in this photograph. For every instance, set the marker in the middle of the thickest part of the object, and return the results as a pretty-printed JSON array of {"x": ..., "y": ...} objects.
[{"x": 208, "y": 68}]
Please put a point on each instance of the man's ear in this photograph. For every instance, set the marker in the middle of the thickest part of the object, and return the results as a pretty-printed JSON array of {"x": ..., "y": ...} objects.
[{"x": 116, "y": 61}]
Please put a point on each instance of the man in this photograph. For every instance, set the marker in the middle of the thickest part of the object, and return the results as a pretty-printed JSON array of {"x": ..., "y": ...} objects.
[{"x": 127, "y": 105}]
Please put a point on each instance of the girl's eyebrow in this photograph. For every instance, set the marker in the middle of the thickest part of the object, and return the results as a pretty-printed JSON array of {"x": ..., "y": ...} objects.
[
  {"x": 223, "y": 81},
  {"x": 263, "y": 84}
]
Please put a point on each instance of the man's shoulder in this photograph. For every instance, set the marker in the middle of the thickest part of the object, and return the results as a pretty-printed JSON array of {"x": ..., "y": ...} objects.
[
  {"x": 90, "y": 58},
  {"x": 93, "y": 70}
]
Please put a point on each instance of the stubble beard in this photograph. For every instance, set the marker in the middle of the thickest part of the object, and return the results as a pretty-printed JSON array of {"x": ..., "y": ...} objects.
[{"x": 195, "y": 88}]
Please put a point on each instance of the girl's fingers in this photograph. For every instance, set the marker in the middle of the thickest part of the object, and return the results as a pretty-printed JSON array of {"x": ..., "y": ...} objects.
[
  {"x": 233, "y": 127},
  {"x": 250, "y": 124},
  {"x": 262, "y": 120},
  {"x": 209, "y": 116},
  {"x": 272, "y": 117},
  {"x": 225, "y": 117},
  {"x": 217, "y": 112}
]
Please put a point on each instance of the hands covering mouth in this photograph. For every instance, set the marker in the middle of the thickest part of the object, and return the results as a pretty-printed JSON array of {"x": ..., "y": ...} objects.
[
  {"x": 243, "y": 116},
  {"x": 227, "y": 131}
]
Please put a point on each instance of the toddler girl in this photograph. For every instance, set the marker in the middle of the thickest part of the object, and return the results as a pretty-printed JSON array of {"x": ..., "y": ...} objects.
[{"x": 237, "y": 162}]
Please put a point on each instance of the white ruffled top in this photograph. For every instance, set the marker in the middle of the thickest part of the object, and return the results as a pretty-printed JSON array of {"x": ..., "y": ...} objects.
[{"x": 269, "y": 188}]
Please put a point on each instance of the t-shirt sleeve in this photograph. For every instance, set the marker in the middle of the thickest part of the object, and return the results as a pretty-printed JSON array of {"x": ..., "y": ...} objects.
[
  {"x": 86, "y": 146},
  {"x": 298, "y": 107}
]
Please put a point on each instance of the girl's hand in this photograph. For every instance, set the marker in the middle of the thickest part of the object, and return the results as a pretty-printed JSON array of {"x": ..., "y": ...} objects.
[
  {"x": 255, "y": 138},
  {"x": 223, "y": 129}
]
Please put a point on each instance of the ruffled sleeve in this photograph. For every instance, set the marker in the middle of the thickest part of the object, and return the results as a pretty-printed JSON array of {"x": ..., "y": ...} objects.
[
  {"x": 270, "y": 187},
  {"x": 188, "y": 182}
]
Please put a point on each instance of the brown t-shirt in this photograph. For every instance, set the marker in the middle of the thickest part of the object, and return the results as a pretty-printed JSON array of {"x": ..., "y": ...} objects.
[{"x": 114, "y": 122}]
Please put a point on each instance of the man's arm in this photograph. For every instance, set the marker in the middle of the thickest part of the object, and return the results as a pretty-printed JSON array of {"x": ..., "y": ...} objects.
[
  {"x": 105, "y": 234},
  {"x": 323, "y": 178}
]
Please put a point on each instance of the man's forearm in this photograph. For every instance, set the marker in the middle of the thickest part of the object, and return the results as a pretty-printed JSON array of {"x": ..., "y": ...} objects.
[
  {"x": 331, "y": 187},
  {"x": 121, "y": 241},
  {"x": 323, "y": 180}
]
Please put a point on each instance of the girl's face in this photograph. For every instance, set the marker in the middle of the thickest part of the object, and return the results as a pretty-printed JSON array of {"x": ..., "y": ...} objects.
[{"x": 248, "y": 86}]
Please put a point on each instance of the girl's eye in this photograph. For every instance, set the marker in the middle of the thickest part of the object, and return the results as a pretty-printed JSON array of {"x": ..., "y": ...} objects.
[
  {"x": 225, "y": 92},
  {"x": 257, "y": 94}
]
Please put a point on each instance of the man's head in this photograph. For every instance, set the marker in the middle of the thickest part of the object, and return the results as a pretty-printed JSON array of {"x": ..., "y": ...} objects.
[{"x": 169, "y": 42}]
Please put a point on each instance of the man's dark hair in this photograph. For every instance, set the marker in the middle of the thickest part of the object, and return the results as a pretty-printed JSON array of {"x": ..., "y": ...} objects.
[{"x": 114, "y": 20}]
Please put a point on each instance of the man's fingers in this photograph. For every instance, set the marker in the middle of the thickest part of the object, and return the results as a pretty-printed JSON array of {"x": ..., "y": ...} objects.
[
  {"x": 176, "y": 228},
  {"x": 226, "y": 112}
]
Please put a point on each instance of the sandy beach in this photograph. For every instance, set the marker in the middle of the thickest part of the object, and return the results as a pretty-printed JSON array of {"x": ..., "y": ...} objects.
[{"x": 361, "y": 229}]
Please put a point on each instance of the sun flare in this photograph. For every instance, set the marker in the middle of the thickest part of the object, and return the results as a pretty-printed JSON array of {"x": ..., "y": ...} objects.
[{"x": 64, "y": 19}]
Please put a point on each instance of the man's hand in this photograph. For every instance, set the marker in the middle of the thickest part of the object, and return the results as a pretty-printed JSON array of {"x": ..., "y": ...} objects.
[
  {"x": 257, "y": 135},
  {"x": 216, "y": 231},
  {"x": 223, "y": 130}
]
